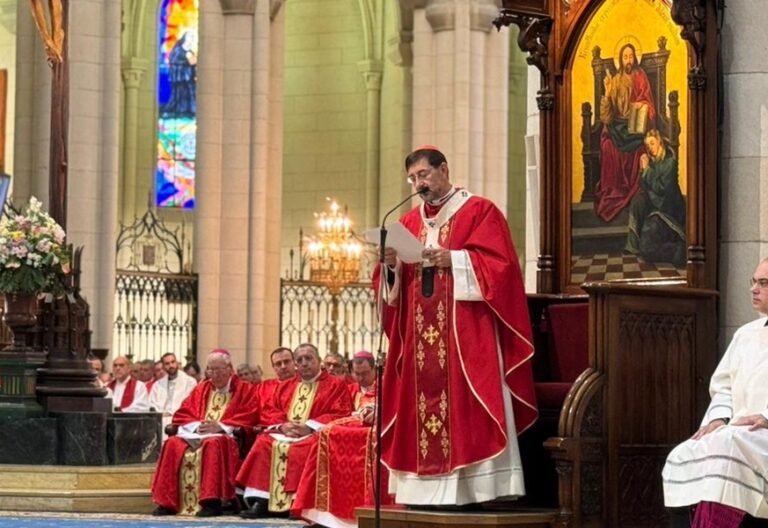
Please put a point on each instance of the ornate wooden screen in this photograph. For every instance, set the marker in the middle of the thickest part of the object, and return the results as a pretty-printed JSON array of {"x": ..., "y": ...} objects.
[{"x": 652, "y": 340}]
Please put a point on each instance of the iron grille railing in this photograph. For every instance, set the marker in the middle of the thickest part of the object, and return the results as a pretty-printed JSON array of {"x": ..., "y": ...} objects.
[
  {"x": 156, "y": 313},
  {"x": 307, "y": 315},
  {"x": 155, "y": 292}
]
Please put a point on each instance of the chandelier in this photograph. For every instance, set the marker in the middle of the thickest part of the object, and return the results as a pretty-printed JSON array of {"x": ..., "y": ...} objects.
[{"x": 334, "y": 254}]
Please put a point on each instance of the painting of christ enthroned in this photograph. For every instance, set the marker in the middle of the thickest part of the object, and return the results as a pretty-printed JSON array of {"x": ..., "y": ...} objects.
[{"x": 628, "y": 218}]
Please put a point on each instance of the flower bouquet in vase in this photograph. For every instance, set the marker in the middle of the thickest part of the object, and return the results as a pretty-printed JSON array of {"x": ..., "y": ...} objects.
[{"x": 33, "y": 258}]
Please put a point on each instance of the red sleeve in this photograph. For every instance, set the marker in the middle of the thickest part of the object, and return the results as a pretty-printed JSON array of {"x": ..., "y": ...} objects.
[
  {"x": 497, "y": 269},
  {"x": 193, "y": 407},
  {"x": 335, "y": 402},
  {"x": 641, "y": 87},
  {"x": 244, "y": 408}
]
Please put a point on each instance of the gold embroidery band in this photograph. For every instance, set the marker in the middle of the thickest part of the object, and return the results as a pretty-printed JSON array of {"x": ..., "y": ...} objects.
[
  {"x": 279, "y": 500},
  {"x": 190, "y": 471},
  {"x": 189, "y": 482},
  {"x": 301, "y": 404},
  {"x": 431, "y": 335}
]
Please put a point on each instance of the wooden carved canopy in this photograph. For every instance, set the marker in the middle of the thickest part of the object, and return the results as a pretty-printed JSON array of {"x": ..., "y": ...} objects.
[{"x": 550, "y": 31}]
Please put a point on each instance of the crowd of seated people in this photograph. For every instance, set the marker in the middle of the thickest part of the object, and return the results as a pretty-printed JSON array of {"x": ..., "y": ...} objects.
[{"x": 203, "y": 469}]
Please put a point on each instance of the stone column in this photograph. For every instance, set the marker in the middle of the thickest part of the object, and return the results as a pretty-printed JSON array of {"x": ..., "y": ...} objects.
[
  {"x": 372, "y": 71},
  {"x": 238, "y": 205},
  {"x": 460, "y": 91},
  {"x": 133, "y": 71},
  {"x": 744, "y": 185}
]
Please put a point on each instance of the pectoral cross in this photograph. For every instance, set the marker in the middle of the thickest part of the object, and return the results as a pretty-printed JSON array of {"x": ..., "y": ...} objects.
[{"x": 55, "y": 42}]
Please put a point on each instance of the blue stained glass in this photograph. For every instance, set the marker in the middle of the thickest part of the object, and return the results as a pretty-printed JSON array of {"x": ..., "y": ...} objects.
[{"x": 177, "y": 104}]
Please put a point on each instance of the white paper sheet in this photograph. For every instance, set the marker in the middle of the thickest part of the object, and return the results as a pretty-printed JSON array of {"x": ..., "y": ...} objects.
[{"x": 408, "y": 247}]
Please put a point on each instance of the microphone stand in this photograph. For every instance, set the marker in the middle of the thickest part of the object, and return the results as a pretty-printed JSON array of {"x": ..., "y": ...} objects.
[{"x": 381, "y": 357}]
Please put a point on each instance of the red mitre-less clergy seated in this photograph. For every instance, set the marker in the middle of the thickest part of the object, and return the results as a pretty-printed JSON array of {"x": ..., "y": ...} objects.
[
  {"x": 340, "y": 470},
  {"x": 272, "y": 468},
  {"x": 184, "y": 476},
  {"x": 442, "y": 397}
]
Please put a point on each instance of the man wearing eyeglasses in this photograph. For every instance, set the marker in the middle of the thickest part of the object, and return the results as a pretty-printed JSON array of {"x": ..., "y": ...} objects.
[
  {"x": 721, "y": 469},
  {"x": 197, "y": 467},
  {"x": 457, "y": 386}
]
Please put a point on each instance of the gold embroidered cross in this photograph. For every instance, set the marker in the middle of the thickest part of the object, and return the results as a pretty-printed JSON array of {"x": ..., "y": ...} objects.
[
  {"x": 434, "y": 425},
  {"x": 431, "y": 335}
]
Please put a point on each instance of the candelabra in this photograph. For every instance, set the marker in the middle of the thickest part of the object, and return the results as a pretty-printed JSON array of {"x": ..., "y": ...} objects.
[{"x": 334, "y": 259}]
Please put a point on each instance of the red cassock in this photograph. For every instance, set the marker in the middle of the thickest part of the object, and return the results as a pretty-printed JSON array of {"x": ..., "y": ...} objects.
[
  {"x": 267, "y": 389},
  {"x": 443, "y": 407},
  {"x": 219, "y": 455},
  {"x": 620, "y": 155},
  {"x": 340, "y": 472},
  {"x": 272, "y": 468}
]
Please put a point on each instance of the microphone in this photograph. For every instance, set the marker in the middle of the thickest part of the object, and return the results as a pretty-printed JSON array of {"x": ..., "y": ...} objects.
[{"x": 383, "y": 230}]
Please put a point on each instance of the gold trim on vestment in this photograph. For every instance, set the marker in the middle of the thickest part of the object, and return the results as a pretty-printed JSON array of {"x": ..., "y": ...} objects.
[
  {"x": 301, "y": 404},
  {"x": 190, "y": 471},
  {"x": 298, "y": 412},
  {"x": 189, "y": 482},
  {"x": 432, "y": 335},
  {"x": 279, "y": 500}
]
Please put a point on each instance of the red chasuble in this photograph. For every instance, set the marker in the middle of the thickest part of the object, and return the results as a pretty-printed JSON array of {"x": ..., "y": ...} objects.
[
  {"x": 275, "y": 467},
  {"x": 340, "y": 473},
  {"x": 620, "y": 155},
  {"x": 219, "y": 455},
  {"x": 443, "y": 407}
]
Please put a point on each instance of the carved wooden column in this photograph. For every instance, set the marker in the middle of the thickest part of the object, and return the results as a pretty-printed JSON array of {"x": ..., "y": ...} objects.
[
  {"x": 533, "y": 39},
  {"x": 699, "y": 28}
]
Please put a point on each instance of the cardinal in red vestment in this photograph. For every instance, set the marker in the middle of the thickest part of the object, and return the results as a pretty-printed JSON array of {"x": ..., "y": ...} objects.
[
  {"x": 197, "y": 467},
  {"x": 458, "y": 385},
  {"x": 339, "y": 473},
  {"x": 627, "y": 96},
  {"x": 300, "y": 407}
]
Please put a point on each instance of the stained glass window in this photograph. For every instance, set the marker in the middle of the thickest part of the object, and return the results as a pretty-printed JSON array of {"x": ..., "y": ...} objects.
[{"x": 177, "y": 104}]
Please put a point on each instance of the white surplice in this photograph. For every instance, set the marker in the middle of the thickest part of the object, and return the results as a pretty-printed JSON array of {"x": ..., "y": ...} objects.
[{"x": 729, "y": 465}]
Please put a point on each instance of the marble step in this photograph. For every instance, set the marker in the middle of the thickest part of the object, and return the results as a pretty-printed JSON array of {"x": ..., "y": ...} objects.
[{"x": 118, "y": 489}]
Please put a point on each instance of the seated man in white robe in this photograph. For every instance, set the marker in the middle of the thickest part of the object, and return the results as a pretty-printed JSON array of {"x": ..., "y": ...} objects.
[
  {"x": 722, "y": 468},
  {"x": 168, "y": 392}
]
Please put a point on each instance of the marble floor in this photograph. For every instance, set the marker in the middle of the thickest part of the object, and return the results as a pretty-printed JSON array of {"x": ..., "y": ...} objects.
[{"x": 107, "y": 520}]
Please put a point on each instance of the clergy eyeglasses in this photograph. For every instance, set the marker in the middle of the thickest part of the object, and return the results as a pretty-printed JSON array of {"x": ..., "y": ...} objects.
[
  {"x": 761, "y": 283},
  {"x": 419, "y": 176}
]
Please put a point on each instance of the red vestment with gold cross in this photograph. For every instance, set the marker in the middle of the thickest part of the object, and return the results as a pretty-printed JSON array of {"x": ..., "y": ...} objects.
[
  {"x": 219, "y": 456},
  {"x": 273, "y": 466},
  {"x": 449, "y": 359}
]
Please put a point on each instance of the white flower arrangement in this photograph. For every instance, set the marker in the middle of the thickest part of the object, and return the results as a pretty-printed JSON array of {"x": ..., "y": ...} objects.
[{"x": 32, "y": 251}]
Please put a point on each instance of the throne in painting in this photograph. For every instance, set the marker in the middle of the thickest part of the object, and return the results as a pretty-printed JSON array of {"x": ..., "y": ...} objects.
[{"x": 592, "y": 234}]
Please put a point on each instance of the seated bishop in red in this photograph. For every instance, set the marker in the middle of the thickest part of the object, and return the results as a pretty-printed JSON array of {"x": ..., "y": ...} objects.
[
  {"x": 340, "y": 473},
  {"x": 197, "y": 467},
  {"x": 299, "y": 408}
]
